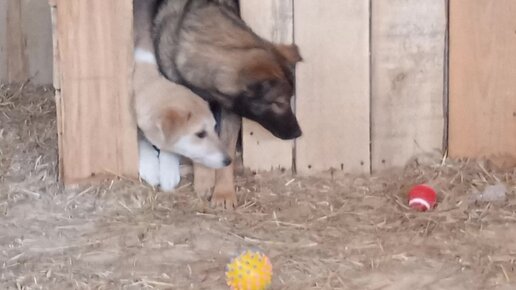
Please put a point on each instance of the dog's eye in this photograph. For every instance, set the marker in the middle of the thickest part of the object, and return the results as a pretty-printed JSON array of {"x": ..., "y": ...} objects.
[
  {"x": 201, "y": 134},
  {"x": 281, "y": 105}
]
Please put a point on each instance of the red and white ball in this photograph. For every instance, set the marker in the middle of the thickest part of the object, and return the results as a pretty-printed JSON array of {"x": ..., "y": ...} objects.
[{"x": 422, "y": 197}]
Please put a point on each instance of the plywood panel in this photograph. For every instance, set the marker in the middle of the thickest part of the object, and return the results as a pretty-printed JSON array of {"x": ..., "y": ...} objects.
[
  {"x": 271, "y": 19},
  {"x": 37, "y": 33},
  {"x": 482, "y": 78},
  {"x": 95, "y": 49},
  {"x": 408, "y": 52},
  {"x": 333, "y": 85}
]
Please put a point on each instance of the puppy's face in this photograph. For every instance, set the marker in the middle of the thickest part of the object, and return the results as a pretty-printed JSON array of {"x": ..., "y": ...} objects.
[
  {"x": 268, "y": 90},
  {"x": 193, "y": 135}
]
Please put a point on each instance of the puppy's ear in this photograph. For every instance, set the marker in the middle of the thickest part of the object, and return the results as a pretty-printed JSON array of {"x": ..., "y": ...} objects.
[
  {"x": 170, "y": 122},
  {"x": 260, "y": 69},
  {"x": 290, "y": 53}
]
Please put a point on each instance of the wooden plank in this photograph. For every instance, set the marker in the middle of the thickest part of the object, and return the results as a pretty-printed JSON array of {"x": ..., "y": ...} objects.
[
  {"x": 333, "y": 85},
  {"x": 37, "y": 33},
  {"x": 407, "y": 96},
  {"x": 3, "y": 39},
  {"x": 17, "y": 70},
  {"x": 56, "y": 76},
  {"x": 271, "y": 19},
  {"x": 482, "y": 78},
  {"x": 95, "y": 50}
]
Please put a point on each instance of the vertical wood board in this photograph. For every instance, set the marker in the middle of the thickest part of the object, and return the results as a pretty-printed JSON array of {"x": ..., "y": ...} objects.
[
  {"x": 482, "y": 78},
  {"x": 37, "y": 33},
  {"x": 333, "y": 85},
  {"x": 25, "y": 41},
  {"x": 16, "y": 62},
  {"x": 3, "y": 38},
  {"x": 95, "y": 50},
  {"x": 272, "y": 20},
  {"x": 408, "y": 52}
]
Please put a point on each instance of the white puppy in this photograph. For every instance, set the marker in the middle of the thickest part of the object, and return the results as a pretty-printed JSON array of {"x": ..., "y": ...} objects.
[{"x": 176, "y": 121}]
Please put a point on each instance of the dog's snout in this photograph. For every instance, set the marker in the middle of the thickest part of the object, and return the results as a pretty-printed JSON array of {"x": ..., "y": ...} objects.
[
  {"x": 297, "y": 133},
  {"x": 293, "y": 133},
  {"x": 227, "y": 160}
]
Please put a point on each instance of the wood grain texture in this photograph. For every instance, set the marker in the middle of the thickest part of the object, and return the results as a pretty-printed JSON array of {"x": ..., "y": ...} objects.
[
  {"x": 333, "y": 85},
  {"x": 408, "y": 49},
  {"x": 17, "y": 68},
  {"x": 272, "y": 20},
  {"x": 95, "y": 50},
  {"x": 482, "y": 78},
  {"x": 56, "y": 81}
]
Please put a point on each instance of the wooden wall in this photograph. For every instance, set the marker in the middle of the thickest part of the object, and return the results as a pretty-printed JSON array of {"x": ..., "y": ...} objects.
[
  {"x": 25, "y": 41},
  {"x": 408, "y": 50},
  {"x": 3, "y": 37},
  {"x": 370, "y": 91},
  {"x": 483, "y": 79},
  {"x": 333, "y": 85},
  {"x": 97, "y": 134},
  {"x": 271, "y": 19}
]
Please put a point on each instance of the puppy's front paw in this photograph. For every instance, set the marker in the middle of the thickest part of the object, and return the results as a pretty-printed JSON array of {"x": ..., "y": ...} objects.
[
  {"x": 224, "y": 197},
  {"x": 148, "y": 163},
  {"x": 169, "y": 182},
  {"x": 169, "y": 173}
]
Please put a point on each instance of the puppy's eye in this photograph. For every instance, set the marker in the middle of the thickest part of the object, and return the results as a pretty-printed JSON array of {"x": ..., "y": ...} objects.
[{"x": 201, "y": 134}]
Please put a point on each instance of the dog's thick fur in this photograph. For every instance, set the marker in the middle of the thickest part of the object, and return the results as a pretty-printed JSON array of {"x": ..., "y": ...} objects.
[
  {"x": 171, "y": 117},
  {"x": 204, "y": 45}
]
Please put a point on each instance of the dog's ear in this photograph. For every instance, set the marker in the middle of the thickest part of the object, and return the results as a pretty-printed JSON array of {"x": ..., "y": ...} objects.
[
  {"x": 260, "y": 69},
  {"x": 170, "y": 122},
  {"x": 290, "y": 53},
  {"x": 232, "y": 5}
]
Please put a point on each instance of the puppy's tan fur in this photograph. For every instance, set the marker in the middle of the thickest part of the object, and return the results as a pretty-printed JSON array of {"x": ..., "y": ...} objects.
[
  {"x": 167, "y": 113},
  {"x": 163, "y": 108}
]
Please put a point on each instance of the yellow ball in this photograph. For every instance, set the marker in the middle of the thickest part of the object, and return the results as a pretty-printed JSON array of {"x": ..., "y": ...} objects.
[{"x": 251, "y": 270}]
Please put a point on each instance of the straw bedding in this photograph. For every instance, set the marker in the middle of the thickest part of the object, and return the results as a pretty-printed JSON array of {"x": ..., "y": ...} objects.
[{"x": 325, "y": 232}]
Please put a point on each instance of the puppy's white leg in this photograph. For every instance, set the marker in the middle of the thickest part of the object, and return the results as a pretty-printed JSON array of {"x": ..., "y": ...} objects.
[
  {"x": 169, "y": 172},
  {"x": 149, "y": 162}
]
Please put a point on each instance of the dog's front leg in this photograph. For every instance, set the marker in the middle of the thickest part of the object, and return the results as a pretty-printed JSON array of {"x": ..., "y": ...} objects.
[
  {"x": 169, "y": 171},
  {"x": 148, "y": 161},
  {"x": 224, "y": 193},
  {"x": 204, "y": 180}
]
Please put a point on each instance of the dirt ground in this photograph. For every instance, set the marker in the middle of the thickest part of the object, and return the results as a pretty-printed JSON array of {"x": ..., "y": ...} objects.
[{"x": 345, "y": 232}]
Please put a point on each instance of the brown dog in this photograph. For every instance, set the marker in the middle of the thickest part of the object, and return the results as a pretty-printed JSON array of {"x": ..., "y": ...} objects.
[
  {"x": 170, "y": 117},
  {"x": 205, "y": 46}
]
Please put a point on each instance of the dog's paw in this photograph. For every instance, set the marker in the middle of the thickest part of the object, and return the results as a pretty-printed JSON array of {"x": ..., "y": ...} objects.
[
  {"x": 224, "y": 198},
  {"x": 204, "y": 180},
  {"x": 148, "y": 163},
  {"x": 169, "y": 173},
  {"x": 169, "y": 184}
]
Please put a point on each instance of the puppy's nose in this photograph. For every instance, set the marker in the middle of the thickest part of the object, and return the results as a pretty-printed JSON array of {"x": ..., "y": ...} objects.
[
  {"x": 226, "y": 161},
  {"x": 294, "y": 133},
  {"x": 297, "y": 133}
]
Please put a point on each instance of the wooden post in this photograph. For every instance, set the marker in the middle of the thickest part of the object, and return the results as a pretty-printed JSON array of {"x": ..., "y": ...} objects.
[
  {"x": 483, "y": 79},
  {"x": 333, "y": 85},
  {"x": 95, "y": 56},
  {"x": 408, "y": 49},
  {"x": 272, "y": 20}
]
